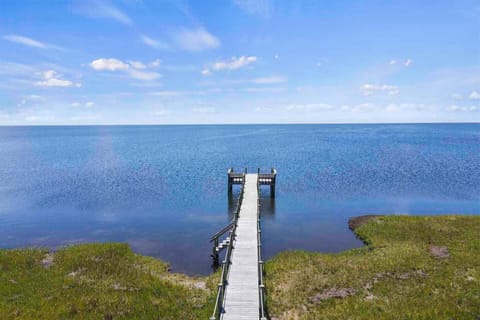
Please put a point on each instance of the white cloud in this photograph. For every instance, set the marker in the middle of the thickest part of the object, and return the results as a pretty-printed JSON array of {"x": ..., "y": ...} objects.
[
  {"x": 133, "y": 68},
  {"x": 143, "y": 75},
  {"x": 310, "y": 107},
  {"x": 174, "y": 93},
  {"x": 364, "y": 107},
  {"x": 109, "y": 64},
  {"x": 88, "y": 104},
  {"x": 474, "y": 95},
  {"x": 102, "y": 9},
  {"x": 155, "y": 63},
  {"x": 263, "y": 109},
  {"x": 370, "y": 89},
  {"x": 408, "y": 62},
  {"x": 52, "y": 79},
  {"x": 233, "y": 64},
  {"x": 206, "y": 72},
  {"x": 263, "y": 89},
  {"x": 270, "y": 80},
  {"x": 40, "y": 118},
  {"x": 196, "y": 39},
  {"x": 137, "y": 64},
  {"x": 456, "y": 108},
  {"x": 25, "y": 41},
  {"x": 29, "y": 99},
  {"x": 156, "y": 44},
  {"x": 393, "y": 62},
  {"x": 260, "y": 7}
]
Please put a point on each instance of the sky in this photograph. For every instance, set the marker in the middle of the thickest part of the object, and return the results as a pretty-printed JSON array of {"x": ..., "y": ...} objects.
[{"x": 238, "y": 61}]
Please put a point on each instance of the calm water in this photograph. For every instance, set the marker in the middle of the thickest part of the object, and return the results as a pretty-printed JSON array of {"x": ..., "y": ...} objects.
[{"x": 163, "y": 189}]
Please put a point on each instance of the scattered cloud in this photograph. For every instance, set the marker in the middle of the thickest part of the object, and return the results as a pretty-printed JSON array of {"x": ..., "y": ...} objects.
[
  {"x": 233, "y": 64},
  {"x": 155, "y": 63},
  {"x": 134, "y": 69},
  {"x": 137, "y": 64},
  {"x": 406, "y": 63},
  {"x": 206, "y": 72},
  {"x": 197, "y": 39},
  {"x": 25, "y": 41},
  {"x": 310, "y": 107},
  {"x": 364, "y": 107},
  {"x": 167, "y": 93},
  {"x": 109, "y": 64},
  {"x": 52, "y": 79},
  {"x": 258, "y": 7},
  {"x": 102, "y": 9},
  {"x": 456, "y": 108},
  {"x": 30, "y": 99},
  {"x": 88, "y": 104},
  {"x": 370, "y": 89},
  {"x": 144, "y": 75},
  {"x": 474, "y": 95},
  {"x": 263, "y": 109},
  {"x": 156, "y": 44},
  {"x": 263, "y": 89}
]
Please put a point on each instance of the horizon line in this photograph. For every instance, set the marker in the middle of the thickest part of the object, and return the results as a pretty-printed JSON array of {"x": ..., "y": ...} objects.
[{"x": 232, "y": 124}]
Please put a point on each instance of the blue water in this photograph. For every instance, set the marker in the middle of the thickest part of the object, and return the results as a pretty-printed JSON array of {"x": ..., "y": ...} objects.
[{"x": 163, "y": 189}]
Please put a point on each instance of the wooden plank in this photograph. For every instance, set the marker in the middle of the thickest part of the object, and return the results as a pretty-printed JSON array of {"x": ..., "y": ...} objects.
[{"x": 242, "y": 292}]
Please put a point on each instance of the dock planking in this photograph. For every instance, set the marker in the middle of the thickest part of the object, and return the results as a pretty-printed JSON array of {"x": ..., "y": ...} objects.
[{"x": 241, "y": 291}]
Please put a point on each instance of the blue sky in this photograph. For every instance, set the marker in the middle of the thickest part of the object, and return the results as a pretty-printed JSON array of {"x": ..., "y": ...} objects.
[{"x": 238, "y": 61}]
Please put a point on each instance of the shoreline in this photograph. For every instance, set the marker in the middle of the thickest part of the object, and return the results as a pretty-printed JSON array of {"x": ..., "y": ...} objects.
[{"x": 401, "y": 257}]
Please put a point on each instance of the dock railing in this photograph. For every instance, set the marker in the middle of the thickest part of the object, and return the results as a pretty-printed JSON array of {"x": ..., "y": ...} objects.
[
  {"x": 218, "y": 309},
  {"x": 261, "y": 285}
]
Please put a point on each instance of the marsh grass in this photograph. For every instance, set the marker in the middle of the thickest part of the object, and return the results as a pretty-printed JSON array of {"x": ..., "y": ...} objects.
[
  {"x": 97, "y": 281},
  {"x": 395, "y": 276}
]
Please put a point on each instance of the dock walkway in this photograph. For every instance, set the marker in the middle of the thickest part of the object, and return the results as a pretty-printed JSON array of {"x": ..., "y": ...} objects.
[{"x": 242, "y": 289}]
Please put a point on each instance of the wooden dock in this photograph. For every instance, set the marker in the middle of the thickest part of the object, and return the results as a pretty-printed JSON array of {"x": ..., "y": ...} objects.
[
  {"x": 242, "y": 292},
  {"x": 241, "y": 289}
]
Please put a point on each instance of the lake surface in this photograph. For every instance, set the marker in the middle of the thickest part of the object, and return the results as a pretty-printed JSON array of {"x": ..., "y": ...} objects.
[{"x": 163, "y": 189}]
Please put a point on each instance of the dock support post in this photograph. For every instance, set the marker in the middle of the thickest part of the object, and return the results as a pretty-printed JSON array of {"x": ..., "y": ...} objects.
[
  {"x": 272, "y": 184},
  {"x": 230, "y": 181},
  {"x": 215, "y": 254}
]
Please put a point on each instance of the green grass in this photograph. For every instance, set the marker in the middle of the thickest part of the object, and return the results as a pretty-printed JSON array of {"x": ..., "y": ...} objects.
[
  {"x": 98, "y": 281},
  {"x": 394, "y": 277}
]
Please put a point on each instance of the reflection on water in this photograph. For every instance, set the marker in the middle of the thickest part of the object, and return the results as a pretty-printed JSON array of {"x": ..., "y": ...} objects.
[{"x": 163, "y": 189}]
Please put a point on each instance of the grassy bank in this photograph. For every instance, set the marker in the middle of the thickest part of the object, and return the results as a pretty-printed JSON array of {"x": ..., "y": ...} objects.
[
  {"x": 97, "y": 281},
  {"x": 411, "y": 268}
]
